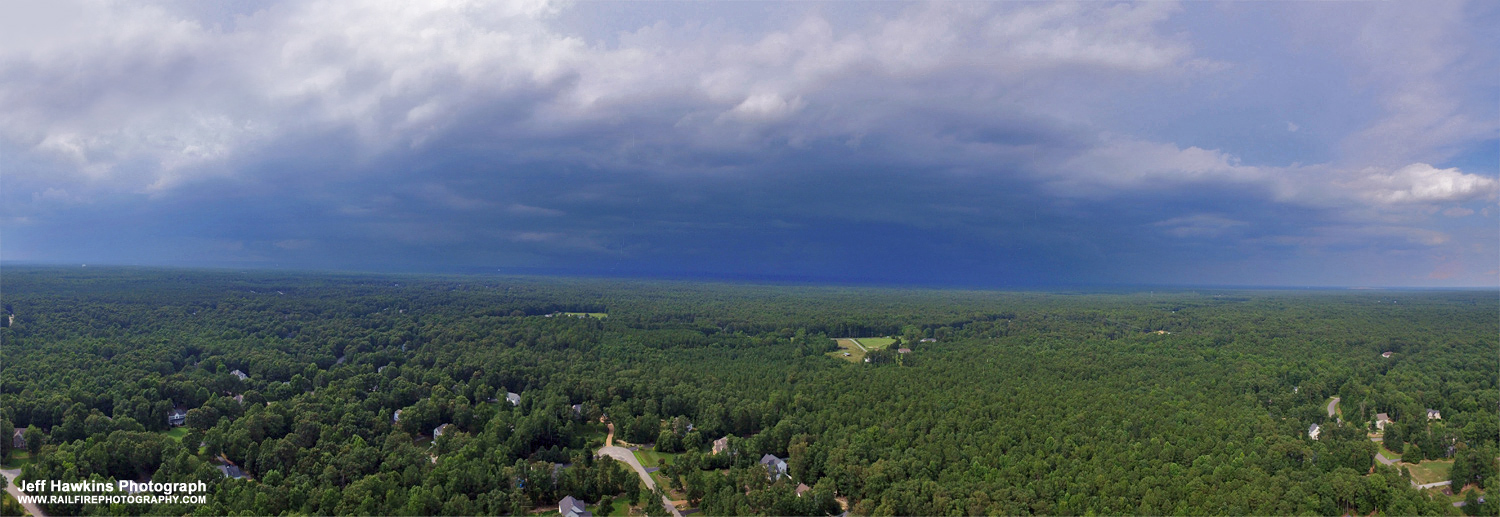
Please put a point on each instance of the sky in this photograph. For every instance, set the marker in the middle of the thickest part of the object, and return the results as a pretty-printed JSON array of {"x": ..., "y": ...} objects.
[{"x": 984, "y": 144}]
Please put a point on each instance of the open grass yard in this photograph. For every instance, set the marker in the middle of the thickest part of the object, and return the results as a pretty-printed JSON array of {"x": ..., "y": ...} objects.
[
  {"x": 1389, "y": 454},
  {"x": 876, "y": 343},
  {"x": 847, "y": 346},
  {"x": 176, "y": 433},
  {"x": 1429, "y": 471},
  {"x": 599, "y": 315},
  {"x": 18, "y": 458},
  {"x": 648, "y": 457}
]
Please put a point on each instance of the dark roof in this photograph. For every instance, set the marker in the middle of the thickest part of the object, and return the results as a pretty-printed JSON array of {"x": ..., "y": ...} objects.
[
  {"x": 769, "y": 459},
  {"x": 569, "y": 503},
  {"x": 231, "y": 471}
]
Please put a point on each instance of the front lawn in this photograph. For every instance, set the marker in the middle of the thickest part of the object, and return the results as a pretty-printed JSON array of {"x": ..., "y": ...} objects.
[
  {"x": 1430, "y": 471},
  {"x": 176, "y": 433},
  {"x": 18, "y": 458}
]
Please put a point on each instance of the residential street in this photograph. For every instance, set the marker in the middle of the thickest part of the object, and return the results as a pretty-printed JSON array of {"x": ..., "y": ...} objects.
[{"x": 17, "y": 493}]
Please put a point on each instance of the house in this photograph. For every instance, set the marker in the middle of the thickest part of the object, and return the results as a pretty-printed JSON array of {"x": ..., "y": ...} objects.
[
  {"x": 903, "y": 350},
  {"x": 240, "y": 398},
  {"x": 382, "y": 369},
  {"x": 570, "y": 507},
  {"x": 240, "y": 374},
  {"x": 775, "y": 467},
  {"x": 18, "y": 440},
  {"x": 1314, "y": 431},
  {"x": 439, "y": 430},
  {"x": 1381, "y": 419},
  {"x": 802, "y": 488},
  {"x": 396, "y": 417},
  {"x": 927, "y": 340},
  {"x": 514, "y": 398},
  {"x": 577, "y": 410},
  {"x": 720, "y": 445},
  {"x": 232, "y": 472},
  {"x": 1387, "y": 354},
  {"x": 1433, "y": 414},
  {"x": 177, "y": 417}
]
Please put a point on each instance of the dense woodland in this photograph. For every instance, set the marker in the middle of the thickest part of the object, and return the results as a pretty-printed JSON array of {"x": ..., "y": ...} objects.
[{"x": 1025, "y": 403}]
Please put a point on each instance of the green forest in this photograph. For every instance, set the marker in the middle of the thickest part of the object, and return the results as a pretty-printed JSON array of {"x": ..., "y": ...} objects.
[{"x": 1195, "y": 402}]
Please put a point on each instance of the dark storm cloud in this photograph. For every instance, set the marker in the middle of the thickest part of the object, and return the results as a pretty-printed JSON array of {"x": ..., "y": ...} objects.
[{"x": 992, "y": 144}]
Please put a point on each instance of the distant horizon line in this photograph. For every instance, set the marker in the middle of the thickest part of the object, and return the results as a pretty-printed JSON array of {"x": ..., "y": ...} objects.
[{"x": 748, "y": 278}]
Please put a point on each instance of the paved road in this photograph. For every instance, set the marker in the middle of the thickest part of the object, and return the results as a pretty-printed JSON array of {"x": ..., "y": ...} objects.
[
  {"x": 1431, "y": 485},
  {"x": 623, "y": 454},
  {"x": 1381, "y": 458},
  {"x": 1332, "y": 403},
  {"x": 17, "y": 493}
]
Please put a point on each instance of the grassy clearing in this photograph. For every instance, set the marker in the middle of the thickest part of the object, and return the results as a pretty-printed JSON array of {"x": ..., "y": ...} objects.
[
  {"x": 18, "y": 458},
  {"x": 600, "y": 315},
  {"x": 1430, "y": 471},
  {"x": 176, "y": 433},
  {"x": 648, "y": 457},
  {"x": 1389, "y": 454},
  {"x": 595, "y": 434},
  {"x": 876, "y": 343},
  {"x": 846, "y": 346}
]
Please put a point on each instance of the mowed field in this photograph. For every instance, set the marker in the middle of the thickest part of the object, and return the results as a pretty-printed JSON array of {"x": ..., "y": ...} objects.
[
  {"x": 847, "y": 346},
  {"x": 1430, "y": 471},
  {"x": 875, "y": 343}
]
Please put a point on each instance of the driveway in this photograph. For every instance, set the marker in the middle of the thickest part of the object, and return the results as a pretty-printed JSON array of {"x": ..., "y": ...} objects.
[
  {"x": 1431, "y": 485},
  {"x": 17, "y": 493},
  {"x": 623, "y": 454},
  {"x": 1381, "y": 458},
  {"x": 1332, "y": 403}
]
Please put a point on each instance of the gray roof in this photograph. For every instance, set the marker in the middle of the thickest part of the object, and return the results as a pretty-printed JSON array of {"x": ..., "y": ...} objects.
[
  {"x": 769, "y": 459},
  {"x": 231, "y": 471},
  {"x": 569, "y": 505},
  {"x": 514, "y": 398}
]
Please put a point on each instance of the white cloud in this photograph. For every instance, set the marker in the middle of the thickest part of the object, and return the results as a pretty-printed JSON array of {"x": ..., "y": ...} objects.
[{"x": 1421, "y": 183}]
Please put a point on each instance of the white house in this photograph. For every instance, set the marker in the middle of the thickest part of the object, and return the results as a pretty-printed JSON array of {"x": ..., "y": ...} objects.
[
  {"x": 439, "y": 430},
  {"x": 514, "y": 398},
  {"x": 239, "y": 374},
  {"x": 1381, "y": 419},
  {"x": 1314, "y": 431},
  {"x": 1433, "y": 414}
]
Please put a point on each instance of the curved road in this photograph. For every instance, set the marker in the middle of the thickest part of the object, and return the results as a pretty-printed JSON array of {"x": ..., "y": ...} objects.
[
  {"x": 1332, "y": 403},
  {"x": 623, "y": 454},
  {"x": 10, "y": 487}
]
